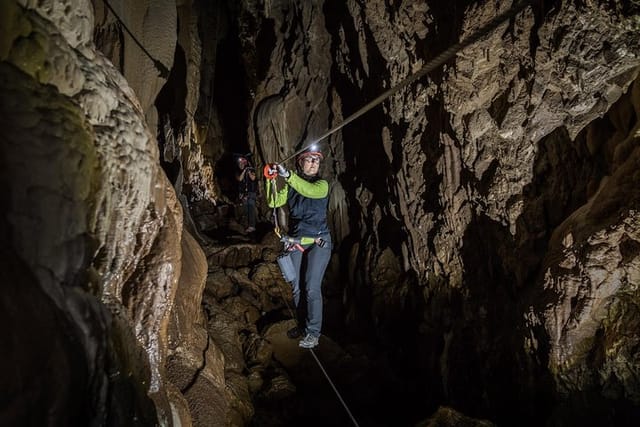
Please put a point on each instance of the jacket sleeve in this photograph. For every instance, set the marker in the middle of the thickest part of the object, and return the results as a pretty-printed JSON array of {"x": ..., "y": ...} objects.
[
  {"x": 277, "y": 199},
  {"x": 312, "y": 190}
]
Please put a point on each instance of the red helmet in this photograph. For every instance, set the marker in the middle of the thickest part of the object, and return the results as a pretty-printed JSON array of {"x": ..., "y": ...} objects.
[{"x": 311, "y": 151}]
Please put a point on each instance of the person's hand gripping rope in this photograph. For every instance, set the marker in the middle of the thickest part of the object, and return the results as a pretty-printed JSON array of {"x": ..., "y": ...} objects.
[{"x": 272, "y": 170}]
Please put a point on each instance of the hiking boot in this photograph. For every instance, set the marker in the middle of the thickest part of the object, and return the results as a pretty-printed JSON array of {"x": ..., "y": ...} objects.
[
  {"x": 309, "y": 341},
  {"x": 294, "y": 333}
]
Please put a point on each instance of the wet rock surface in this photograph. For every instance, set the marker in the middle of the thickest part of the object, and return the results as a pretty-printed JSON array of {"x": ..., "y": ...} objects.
[
  {"x": 485, "y": 219},
  {"x": 93, "y": 219}
]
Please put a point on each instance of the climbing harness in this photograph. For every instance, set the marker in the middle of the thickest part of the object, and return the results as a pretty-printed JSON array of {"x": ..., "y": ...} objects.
[
  {"x": 303, "y": 241},
  {"x": 284, "y": 259},
  {"x": 291, "y": 244},
  {"x": 429, "y": 67}
]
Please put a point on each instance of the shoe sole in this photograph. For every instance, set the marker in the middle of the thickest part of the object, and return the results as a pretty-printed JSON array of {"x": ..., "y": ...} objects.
[{"x": 307, "y": 346}]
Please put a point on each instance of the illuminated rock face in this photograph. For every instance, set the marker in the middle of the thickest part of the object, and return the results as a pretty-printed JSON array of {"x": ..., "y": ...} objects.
[
  {"x": 451, "y": 200},
  {"x": 90, "y": 217},
  {"x": 485, "y": 218}
]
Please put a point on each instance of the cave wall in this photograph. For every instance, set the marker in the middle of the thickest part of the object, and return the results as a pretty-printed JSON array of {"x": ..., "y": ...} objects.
[
  {"x": 95, "y": 258},
  {"x": 180, "y": 39},
  {"x": 447, "y": 197},
  {"x": 588, "y": 281}
]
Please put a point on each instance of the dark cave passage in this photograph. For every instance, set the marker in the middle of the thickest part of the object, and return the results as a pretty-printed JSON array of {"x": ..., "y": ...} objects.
[
  {"x": 230, "y": 91},
  {"x": 170, "y": 104}
]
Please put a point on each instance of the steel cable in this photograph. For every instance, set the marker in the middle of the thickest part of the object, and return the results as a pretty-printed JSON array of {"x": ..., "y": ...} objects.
[
  {"x": 162, "y": 69},
  {"x": 355, "y": 423},
  {"x": 429, "y": 67}
]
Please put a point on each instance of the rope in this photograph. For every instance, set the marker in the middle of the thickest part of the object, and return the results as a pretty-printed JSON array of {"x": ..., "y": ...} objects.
[
  {"x": 429, "y": 67},
  {"x": 162, "y": 69},
  {"x": 274, "y": 196},
  {"x": 355, "y": 423},
  {"x": 313, "y": 353}
]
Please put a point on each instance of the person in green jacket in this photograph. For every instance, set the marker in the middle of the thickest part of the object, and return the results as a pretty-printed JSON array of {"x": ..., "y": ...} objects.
[{"x": 307, "y": 196}]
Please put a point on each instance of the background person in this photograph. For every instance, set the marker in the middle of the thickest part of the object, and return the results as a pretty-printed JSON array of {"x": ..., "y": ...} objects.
[{"x": 247, "y": 191}]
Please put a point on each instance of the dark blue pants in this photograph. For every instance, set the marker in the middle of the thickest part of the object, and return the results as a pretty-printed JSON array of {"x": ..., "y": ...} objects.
[
  {"x": 317, "y": 260},
  {"x": 248, "y": 203},
  {"x": 251, "y": 209}
]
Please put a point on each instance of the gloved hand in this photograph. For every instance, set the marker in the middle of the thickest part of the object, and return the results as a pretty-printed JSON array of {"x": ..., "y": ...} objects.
[
  {"x": 270, "y": 171},
  {"x": 282, "y": 171}
]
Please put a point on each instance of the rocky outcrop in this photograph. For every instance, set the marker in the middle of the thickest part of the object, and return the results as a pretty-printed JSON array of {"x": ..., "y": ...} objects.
[
  {"x": 449, "y": 417},
  {"x": 470, "y": 173},
  {"x": 195, "y": 365},
  {"x": 165, "y": 73},
  {"x": 241, "y": 290},
  {"x": 591, "y": 274},
  {"x": 154, "y": 25},
  {"x": 90, "y": 225}
]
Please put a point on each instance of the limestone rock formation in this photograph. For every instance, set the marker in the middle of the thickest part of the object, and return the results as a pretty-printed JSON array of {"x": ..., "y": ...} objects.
[
  {"x": 485, "y": 218},
  {"x": 90, "y": 222},
  {"x": 449, "y": 417},
  {"x": 591, "y": 279},
  {"x": 454, "y": 187}
]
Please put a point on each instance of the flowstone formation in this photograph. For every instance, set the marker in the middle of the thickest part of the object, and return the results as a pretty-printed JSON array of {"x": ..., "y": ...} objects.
[{"x": 92, "y": 233}]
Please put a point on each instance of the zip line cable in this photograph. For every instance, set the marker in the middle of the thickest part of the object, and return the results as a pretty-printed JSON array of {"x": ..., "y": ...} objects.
[
  {"x": 162, "y": 69},
  {"x": 429, "y": 67},
  {"x": 335, "y": 389},
  {"x": 355, "y": 423}
]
